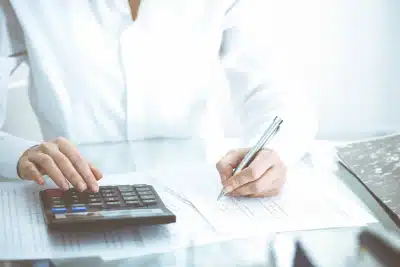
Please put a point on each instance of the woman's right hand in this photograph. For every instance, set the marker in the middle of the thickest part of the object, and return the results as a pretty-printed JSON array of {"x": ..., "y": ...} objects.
[{"x": 62, "y": 162}]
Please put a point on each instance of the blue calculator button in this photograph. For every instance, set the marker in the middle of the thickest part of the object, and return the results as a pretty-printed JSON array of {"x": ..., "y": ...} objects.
[
  {"x": 59, "y": 210},
  {"x": 78, "y": 208}
]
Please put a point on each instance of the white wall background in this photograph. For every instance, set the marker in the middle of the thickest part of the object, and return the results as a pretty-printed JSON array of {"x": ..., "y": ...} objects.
[{"x": 345, "y": 54}]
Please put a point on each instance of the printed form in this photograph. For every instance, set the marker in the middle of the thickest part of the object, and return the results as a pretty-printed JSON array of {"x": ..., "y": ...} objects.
[{"x": 306, "y": 202}]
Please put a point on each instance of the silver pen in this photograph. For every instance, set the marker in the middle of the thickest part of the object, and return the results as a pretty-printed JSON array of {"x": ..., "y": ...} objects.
[{"x": 249, "y": 157}]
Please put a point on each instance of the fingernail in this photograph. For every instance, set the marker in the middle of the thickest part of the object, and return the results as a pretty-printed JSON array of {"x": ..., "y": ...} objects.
[
  {"x": 81, "y": 186},
  {"x": 95, "y": 188},
  {"x": 40, "y": 181},
  {"x": 65, "y": 186}
]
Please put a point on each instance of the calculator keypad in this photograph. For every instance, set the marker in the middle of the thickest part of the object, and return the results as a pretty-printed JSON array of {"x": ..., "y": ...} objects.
[{"x": 108, "y": 197}]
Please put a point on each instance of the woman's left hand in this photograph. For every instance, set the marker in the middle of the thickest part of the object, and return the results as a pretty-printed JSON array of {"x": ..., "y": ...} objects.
[{"x": 265, "y": 175}]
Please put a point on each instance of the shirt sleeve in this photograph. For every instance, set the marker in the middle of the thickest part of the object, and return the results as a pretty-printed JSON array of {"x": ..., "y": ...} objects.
[
  {"x": 12, "y": 50},
  {"x": 255, "y": 97}
]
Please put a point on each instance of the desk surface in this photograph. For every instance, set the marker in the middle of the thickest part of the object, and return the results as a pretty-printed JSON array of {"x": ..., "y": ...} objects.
[{"x": 171, "y": 154}]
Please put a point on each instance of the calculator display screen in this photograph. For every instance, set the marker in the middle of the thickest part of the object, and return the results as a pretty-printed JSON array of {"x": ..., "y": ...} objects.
[{"x": 109, "y": 214}]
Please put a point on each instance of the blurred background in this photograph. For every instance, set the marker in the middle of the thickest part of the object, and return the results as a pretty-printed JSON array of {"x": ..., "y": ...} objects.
[{"x": 344, "y": 54}]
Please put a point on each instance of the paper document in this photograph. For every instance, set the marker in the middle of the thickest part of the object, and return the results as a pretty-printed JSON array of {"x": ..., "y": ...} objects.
[
  {"x": 24, "y": 235},
  {"x": 305, "y": 203}
]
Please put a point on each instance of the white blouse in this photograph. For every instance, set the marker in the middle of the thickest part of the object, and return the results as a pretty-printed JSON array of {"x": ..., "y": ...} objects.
[{"x": 182, "y": 69}]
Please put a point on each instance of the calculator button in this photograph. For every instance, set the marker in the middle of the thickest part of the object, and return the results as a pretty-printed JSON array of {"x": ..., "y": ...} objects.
[
  {"x": 130, "y": 198},
  {"x": 141, "y": 185},
  {"x": 113, "y": 204},
  {"x": 95, "y": 205},
  {"x": 94, "y": 200},
  {"x": 93, "y": 194},
  {"x": 55, "y": 198},
  {"x": 103, "y": 191},
  {"x": 125, "y": 194},
  {"x": 149, "y": 201},
  {"x": 59, "y": 210},
  {"x": 54, "y": 192},
  {"x": 75, "y": 201},
  {"x": 145, "y": 193},
  {"x": 133, "y": 203},
  {"x": 111, "y": 199},
  {"x": 57, "y": 202},
  {"x": 110, "y": 195},
  {"x": 124, "y": 188},
  {"x": 141, "y": 189},
  {"x": 105, "y": 187},
  {"x": 147, "y": 197},
  {"x": 78, "y": 208}
]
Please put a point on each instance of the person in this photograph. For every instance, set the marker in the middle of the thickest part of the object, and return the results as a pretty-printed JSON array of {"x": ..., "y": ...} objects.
[{"x": 114, "y": 70}]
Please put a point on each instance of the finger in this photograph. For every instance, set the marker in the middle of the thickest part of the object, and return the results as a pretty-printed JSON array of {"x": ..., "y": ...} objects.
[
  {"x": 257, "y": 187},
  {"x": 64, "y": 164},
  {"x": 264, "y": 160},
  {"x": 86, "y": 176},
  {"x": 46, "y": 163},
  {"x": 96, "y": 172},
  {"x": 270, "y": 193},
  {"x": 276, "y": 189},
  {"x": 30, "y": 172},
  {"x": 228, "y": 162},
  {"x": 238, "y": 180}
]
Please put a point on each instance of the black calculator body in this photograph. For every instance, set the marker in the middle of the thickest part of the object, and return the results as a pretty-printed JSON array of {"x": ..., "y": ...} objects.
[{"x": 120, "y": 205}]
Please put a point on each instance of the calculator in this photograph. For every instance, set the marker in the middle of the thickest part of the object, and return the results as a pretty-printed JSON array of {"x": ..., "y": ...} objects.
[{"x": 119, "y": 205}]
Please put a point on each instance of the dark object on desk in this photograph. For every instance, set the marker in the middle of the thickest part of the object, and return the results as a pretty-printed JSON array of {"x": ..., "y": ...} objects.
[
  {"x": 380, "y": 249},
  {"x": 376, "y": 163},
  {"x": 112, "y": 206},
  {"x": 300, "y": 257}
]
